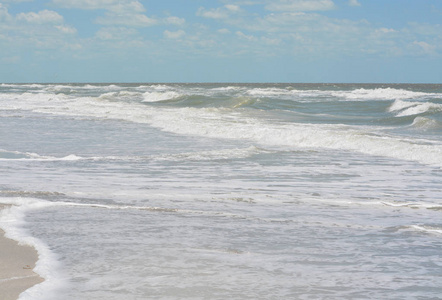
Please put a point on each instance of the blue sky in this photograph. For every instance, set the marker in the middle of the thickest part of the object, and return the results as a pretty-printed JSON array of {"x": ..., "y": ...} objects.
[{"x": 221, "y": 41}]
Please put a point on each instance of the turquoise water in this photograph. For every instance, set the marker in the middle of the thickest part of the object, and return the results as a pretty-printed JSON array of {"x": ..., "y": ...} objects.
[{"x": 215, "y": 191}]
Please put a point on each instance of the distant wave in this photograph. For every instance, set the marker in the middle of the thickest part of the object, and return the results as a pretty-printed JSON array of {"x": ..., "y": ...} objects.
[
  {"x": 160, "y": 96},
  {"x": 379, "y": 94}
]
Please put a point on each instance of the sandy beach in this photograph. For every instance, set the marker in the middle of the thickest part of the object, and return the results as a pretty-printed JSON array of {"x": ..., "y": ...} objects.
[{"x": 16, "y": 267}]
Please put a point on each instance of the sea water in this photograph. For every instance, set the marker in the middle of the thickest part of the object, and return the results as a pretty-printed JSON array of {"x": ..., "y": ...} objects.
[{"x": 225, "y": 191}]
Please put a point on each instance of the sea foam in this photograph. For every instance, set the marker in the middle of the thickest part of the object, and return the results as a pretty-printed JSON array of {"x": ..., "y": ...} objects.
[
  {"x": 12, "y": 221},
  {"x": 410, "y": 108},
  {"x": 160, "y": 96},
  {"x": 222, "y": 123}
]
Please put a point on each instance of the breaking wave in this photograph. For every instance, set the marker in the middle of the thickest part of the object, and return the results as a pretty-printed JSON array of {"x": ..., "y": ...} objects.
[
  {"x": 380, "y": 94},
  {"x": 410, "y": 108},
  {"x": 426, "y": 123},
  {"x": 228, "y": 123},
  {"x": 160, "y": 96}
]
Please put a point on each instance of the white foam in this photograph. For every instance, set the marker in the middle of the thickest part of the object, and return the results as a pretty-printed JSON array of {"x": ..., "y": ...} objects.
[
  {"x": 120, "y": 94},
  {"x": 160, "y": 87},
  {"x": 420, "y": 109},
  {"x": 211, "y": 123},
  {"x": 30, "y": 156},
  {"x": 160, "y": 96},
  {"x": 427, "y": 228},
  {"x": 400, "y": 105},
  {"x": 425, "y": 123},
  {"x": 269, "y": 92},
  {"x": 227, "y": 88},
  {"x": 224, "y": 123},
  {"x": 71, "y": 157},
  {"x": 361, "y": 94},
  {"x": 213, "y": 154},
  {"x": 410, "y": 108},
  {"x": 47, "y": 266},
  {"x": 379, "y": 94}
]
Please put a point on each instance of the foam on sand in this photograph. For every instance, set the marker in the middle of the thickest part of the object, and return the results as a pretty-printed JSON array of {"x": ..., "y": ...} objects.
[
  {"x": 17, "y": 262},
  {"x": 12, "y": 222}
]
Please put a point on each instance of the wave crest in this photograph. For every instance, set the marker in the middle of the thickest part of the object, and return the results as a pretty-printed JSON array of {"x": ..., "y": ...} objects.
[
  {"x": 379, "y": 94},
  {"x": 410, "y": 108},
  {"x": 425, "y": 123},
  {"x": 160, "y": 96}
]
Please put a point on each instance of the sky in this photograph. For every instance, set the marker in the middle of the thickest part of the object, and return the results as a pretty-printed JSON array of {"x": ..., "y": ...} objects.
[{"x": 354, "y": 41}]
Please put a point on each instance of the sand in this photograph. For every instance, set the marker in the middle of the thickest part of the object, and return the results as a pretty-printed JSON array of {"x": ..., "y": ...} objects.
[{"x": 16, "y": 268}]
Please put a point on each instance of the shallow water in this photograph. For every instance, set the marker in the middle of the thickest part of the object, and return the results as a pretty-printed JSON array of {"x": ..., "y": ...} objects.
[{"x": 215, "y": 191}]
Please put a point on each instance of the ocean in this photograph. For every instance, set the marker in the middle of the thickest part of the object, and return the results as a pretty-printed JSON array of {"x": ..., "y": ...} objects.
[{"x": 225, "y": 191}]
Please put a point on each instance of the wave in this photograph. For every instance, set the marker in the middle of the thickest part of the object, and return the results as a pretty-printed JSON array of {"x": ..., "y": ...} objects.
[
  {"x": 427, "y": 229},
  {"x": 433, "y": 229},
  {"x": 266, "y": 92},
  {"x": 361, "y": 94},
  {"x": 35, "y": 194},
  {"x": 410, "y": 108},
  {"x": 225, "y": 123},
  {"x": 211, "y": 123},
  {"x": 425, "y": 123},
  {"x": 227, "y": 88},
  {"x": 381, "y": 94},
  {"x": 160, "y": 96},
  {"x": 118, "y": 95},
  {"x": 30, "y": 156},
  {"x": 414, "y": 205},
  {"x": 219, "y": 154}
]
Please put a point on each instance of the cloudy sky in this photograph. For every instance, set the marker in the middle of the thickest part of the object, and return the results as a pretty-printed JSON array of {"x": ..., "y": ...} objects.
[{"x": 221, "y": 41}]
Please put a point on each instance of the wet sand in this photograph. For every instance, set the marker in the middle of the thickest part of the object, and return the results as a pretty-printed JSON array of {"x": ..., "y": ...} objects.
[{"x": 16, "y": 267}]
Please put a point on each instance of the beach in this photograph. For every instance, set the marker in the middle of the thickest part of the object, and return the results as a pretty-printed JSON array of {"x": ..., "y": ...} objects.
[{"x": 16, "y": 267}]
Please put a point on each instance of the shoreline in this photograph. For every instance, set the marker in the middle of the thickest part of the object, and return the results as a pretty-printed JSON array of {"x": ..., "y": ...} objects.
[{"x": 16, "y": 267}]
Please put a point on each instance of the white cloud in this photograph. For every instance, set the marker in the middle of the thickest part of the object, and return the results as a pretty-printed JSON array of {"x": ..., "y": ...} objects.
[
  {"x": 115, "y": 33},
  {"x": 127, "y": 8},
  {"x": 86, "y": 4},
  {"x": 425, "y": 47},
  {"x": 174, "y": 34},
  {"x": 231, "y": 7},
  {"x": 175, "y": 21},
  {"x": 385, "y": 30},
  {"x": 245, "y": 36},
  {"x": 117, "y": 12},
  {"x": 66, "y": 29},
  {"x": 300, "y": 5},
  {"x": 4, "y": 14},
  {"x": 42, "y": 17},
  {"x": 224, "y": 31},
  {"x": 354, "y": 3},
  {"x": 131, "y": 20},
  {"x": 16, "y": 1},
  {"x": 40, "y": 30},
  {"x": 271, "y": 41},
  {"x": 218, "y": 13}
]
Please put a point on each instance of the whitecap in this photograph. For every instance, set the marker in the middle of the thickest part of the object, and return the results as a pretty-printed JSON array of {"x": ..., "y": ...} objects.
[
  {"x": 400, "y": 105},
  {"x": 379, "y": 94},
  {"x": 420, "y": 109},
  {"x": 160, "y": 96},
  {"x": 265, "y": 92},
  {"x": 425, "y": 123}
]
